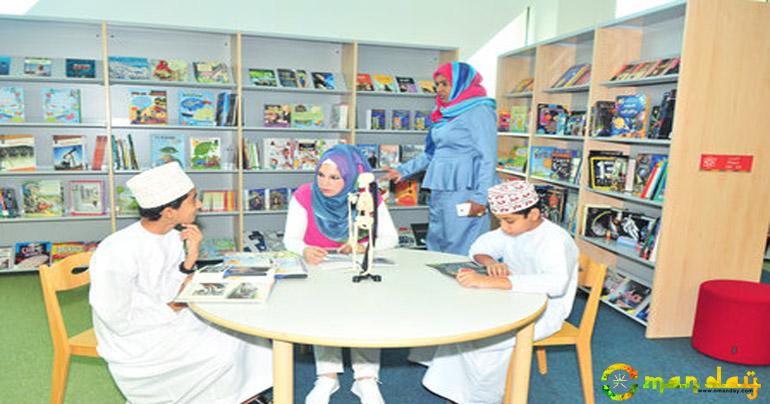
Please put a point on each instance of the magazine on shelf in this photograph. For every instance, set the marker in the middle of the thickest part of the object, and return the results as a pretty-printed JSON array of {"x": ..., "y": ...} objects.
[
  {"x": 166, "y": 148},
  {"x": 61, "y": 105},
  {"x": 69, "y": 153},
  {"x": 263, "y": 77},
  {"x": 324, "y": 81},
  {"x": 169, "y": 69},
  {"x": 287, "y": 78},
  {"x": 17, "y": 153},
  {"x": 80, "y": 68},
  {"x": 86, "y": 197},
  {"x": 11, "y": 104},
  {"x": 32, "y": 254},
  {"x": 42, "y": 198},
  {"x": 129, "y": 68},
  {"x": 364, "y": 82},
  {"x": 384, "y": 83},
  {"x": 426, "y": 86},
  {"x": 406, "y": 85},
  {"x": 5, "y": 65},
  {"x": 197, "y": 108},
  {"x": 211, "y": 72},
  {"x": 277, "y": 115},
  {"x": 37, "y": 66},
  {"x": 148, "y": 107}
]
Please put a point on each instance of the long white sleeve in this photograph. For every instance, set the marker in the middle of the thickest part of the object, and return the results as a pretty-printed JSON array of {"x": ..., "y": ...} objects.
[
  {"x": 387, "y": 235},
  {"x": 296, "y": 224}
]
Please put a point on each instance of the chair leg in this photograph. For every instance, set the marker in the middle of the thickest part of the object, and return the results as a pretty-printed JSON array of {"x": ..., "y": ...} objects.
[
  {"x": 586, "y": 371},
  {"x": 61, "y": 365},
  {"x": 542, "y": 363}
]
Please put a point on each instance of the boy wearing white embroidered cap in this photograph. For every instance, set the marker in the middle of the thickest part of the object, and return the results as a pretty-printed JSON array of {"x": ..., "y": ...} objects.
[
  {"x": 526, "y": 254},
  {"x": 159, "y": 351}
]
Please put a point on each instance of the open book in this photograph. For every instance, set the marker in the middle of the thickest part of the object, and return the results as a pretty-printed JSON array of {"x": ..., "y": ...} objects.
[
  {"x": 222, "y": 283},
  {"x": 337, "y": 261},
  {"x": 452, "y": 268}
]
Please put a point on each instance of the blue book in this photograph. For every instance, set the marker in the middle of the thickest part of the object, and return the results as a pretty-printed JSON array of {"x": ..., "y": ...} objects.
[
  {"x": 129, "y": 68},
  {"x": 197, "y": 108},
  {"x": 61, "y": 105},
  {"x": 377, "y": 119},
  {"x": 371, "y": 152},
  {"x": 5, "y": 65},
  {"x": 422, "y": 120},
  {"x": 541, "y": 161},
  {"x": 165, "y": 148},
  {"x": 81, "y": 68},
  {"x": 400, "y": 119}
]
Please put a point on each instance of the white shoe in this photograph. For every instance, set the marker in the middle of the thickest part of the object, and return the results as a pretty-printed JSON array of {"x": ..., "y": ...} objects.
[
  {"x": 323, "y": 390},
  {"x": 368, "y": 391}
]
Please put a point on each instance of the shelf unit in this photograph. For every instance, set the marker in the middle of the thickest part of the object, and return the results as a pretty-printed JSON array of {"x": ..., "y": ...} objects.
[
  {"x": 710, "y": 227},
  {"x": 104, "y": 111}
]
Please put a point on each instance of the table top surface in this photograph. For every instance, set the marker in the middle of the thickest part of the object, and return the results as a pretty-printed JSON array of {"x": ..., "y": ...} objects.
[{"x": 413, "y": 305}]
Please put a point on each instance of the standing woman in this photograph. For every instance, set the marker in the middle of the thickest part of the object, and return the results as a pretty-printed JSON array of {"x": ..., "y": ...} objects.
[
  {"x": 459, "y": 159},
  {"x": 316, "y": 223}
]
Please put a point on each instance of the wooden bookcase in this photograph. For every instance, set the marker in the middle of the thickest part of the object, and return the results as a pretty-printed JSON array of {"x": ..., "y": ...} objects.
[
  {"x": 104, "y": 106},
  {"x": 713, "y": 223}
]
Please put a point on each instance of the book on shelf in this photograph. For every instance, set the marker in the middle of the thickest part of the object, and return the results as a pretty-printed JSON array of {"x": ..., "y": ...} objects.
[
  {"x": 572, "y": 74},
  {"x": 217, "y": 200},
  {"x": 128, "y": 68},
  {"x": 523, "y": 85},
  {"x": 422, "y": 120},
  {"x": 664, "y": 119},
  {"x": 389, "y": 155},
  {"x": 519, "y": 118},
  {"x": 80, "y": 68},
  {"x": 324, "y": 80},
  {"x": 632, "y": 114},
  {"x": 599, "y": 221},
  {"x": 32, "y": 254},
  {"x": 11, "y": 104},
  {"x": 9, "y": 203},
  {"x": 124, "y": 153},
  {"x": 168, "y": 69},
  {"x": 540, "y": 161},
  {"x": 278, "y": 154},
  {"x": 205, "y": 153},
  {"x": 86, "y": 197},
  {"x": 307, "y": 116},
  {"x": 375, "y": 119},
  {"x": 37, "y": 66},
  {"x": 364, "y": 82},
  {"x": 251, "y": 159},
  {"x": 227, "y": 111},
  {"x": 256, "y": 199},
  {"x": 211, "y": 72},
  {"x": 370, "y": 152},
  {"x": 400, "y": 119},
  {"x": 612, "y": 282},
  {"x": 426, "y": 86},
  {"x": 607, "y": 170},
  {"x": 576, "y": 122},
  {"x": 582, "y": 79},
  {"x": 406, "y": 85},
  {"x": 287, "y": 78},
  {"x": 6, "y": 258},
  {"x": 306, "y": 154},
  {"x": 42, "y": 198},
  {"x": 561, "y": 164},
  {"x": 69, "y": 153},
  {"x": 515, "y": 159},
  {"x": 303, "y": 79},
  {"x": 339, "y": 118},
  {"x": 384, "y": 83},
  {"x": 503, "y": 121},
  {"x": 214, "y": 248},
  {"x": 62, "y": 250},
  {"x": 17, "y": 153},
  {"x": 278, "y": 198},
  {"x": 552, "y": 202},
  {"x": 197, "y": 108},
  {"x": 148, "y": 107},
  {"x": 61, "y": 105},
  {"x": 551, "y": 119},
  {"x": 166, "y": 148},
  {"x": 629, "y": 295},
  {"x": 644, "y": 172},
  {"x": 277, "y": 115},
  {"x": 209, "y": 284},
  {"x": 5, "y": 65},
  {"x": 125, "y": 202},
  {"x": 406, "y": 192},
  {"x": 410, "y": 151},
  {"x": 602, "y": 114},
  {"x": 263, "y": 77},
  {"x": 571, "y": 212}
]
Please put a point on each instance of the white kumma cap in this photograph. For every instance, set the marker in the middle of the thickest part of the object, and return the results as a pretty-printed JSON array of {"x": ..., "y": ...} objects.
[
  {"x": 160, "y": 185},
  {"x": 511, "y": 197}
]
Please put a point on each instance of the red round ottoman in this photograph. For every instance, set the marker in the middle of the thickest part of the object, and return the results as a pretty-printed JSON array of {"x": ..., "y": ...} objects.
[{"x": 732, "y": 321}]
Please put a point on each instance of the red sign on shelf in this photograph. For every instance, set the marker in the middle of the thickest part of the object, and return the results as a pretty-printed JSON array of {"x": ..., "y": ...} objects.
[{"x": 723, "y": 162}]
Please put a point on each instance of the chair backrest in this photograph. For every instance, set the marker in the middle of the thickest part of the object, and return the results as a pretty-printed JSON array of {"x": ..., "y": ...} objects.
[
  {"x": 69, "y": 273},
  {"x": 591, "y": 275}
]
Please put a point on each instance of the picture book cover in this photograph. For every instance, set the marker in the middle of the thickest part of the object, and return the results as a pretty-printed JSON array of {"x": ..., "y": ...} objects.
[
  {"x": 5, "y": 65},
  {"x": 278, "y": 199},
  {"x": 385, "y": 83},
  {"x": 422, "y": 120},
  {"x": 364, "y": 82},
  {"x": 306, "y": 154},
  {"x": 17, "y": 153},
  {"x": 603, "y": 169},
  {"x": 287, "y": 78},
  {"x": 406, "y": 192},
  {"x": 211, "y": 72},
  {"x": 426, "y": 86},
  {"x": 278, "y": 154},
  {"x": 643, "y": 171},
  {"x": 519, "y": 118},
  {"x": 215, "y": 248},
  {"x": 126, "y": 203},
  {"x": 612, "y": 282},
  {"x": 390, "y": 155},
  {"x": 410, "y": 151},
  {"x": 169, "y": 69},
  {"x": 11, "y": 104},
  {"x": 576, "y": 123},
  {"x": 561, "y": 163},
  {"x": 80, "y": 68},
  {"x": 551, "y": 119},
  {"x": 371, "y": 153},
  {"x": 60, "y": 251},
  {"x": 453, "y": 268},
  {"x": 629, "y": 295},
  {"x": 86, "y": 197},
  {"x": 226, "y": 114},
  {"x": 303, "y": 79},
  {"x": 324, "y": 81},
  {"x": 129, "y": 68},
  {"x": 308, "y": 116},
  {"x": 263, "y": 77},
  {"x": 552, "y": 202},
  {"x": 602, "y": 115},
  {"x": 148, "y": 107},
  {"x": 540, "y": 161},
  {"x": 631, "y": 116},
  {"x": 600, "y": 222},
  {"x": 376, "y": 119},
  {"x": 205, "y": 153},
  {"x": 9, "y": 203},
  {"x": 326, "y": 144},
  {"x": 256, "y": 198},
  {"x": 215, "y": 200},
  {"x": 197, "y": 108},
  {"x": 61, "y": 105},
  {"x": 503, "y": 121},
  {"x": 400, "y": 119},
  {"x": 523, "y": 85},
  {"x": 277, "y": 115},
  {"x": 166, "y": 148},
  {"x": 42, "y": 198},
  {"x": 37, "y": 66},
  {"x": 32, "y": 254},
  {"x": 406, "y": 85},
  {"x": 69, "y": 152}
]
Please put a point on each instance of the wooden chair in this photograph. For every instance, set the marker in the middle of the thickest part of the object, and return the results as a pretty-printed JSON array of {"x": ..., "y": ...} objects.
[
  {"x": 67, "y": 274},
  {"x": 591, "y": 275}
]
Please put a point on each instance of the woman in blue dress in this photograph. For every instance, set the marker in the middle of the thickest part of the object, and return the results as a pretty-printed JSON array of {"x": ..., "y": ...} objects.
[{"x": 459, "y": 159}]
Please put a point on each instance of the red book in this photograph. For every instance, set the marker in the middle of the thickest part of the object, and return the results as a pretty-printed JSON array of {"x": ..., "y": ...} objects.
[{"x": 101, "y": 143}]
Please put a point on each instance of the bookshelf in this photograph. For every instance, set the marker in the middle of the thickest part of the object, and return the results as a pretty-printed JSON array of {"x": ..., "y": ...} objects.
[
  {"x": 710, "y": 227},
  {"x": 105, "y": 102}
]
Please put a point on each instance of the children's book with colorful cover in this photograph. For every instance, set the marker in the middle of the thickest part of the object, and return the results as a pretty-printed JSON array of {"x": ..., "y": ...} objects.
[
  {"x": 61, "y": 105},
  {"x": 406, "y": 85},
  {"x": 308, "y": 116},
  {"x": 217, "y": 200},
  {"x": 278, "y": 198},
  {"x": 17, "y": 153},
  {"x": 126, "y": 203},
  {"x": 166, "y": 148},
  {"x": 306, "y": 154},
  {"x": 551, "y": 119},
  {"x": 602, "y": 114},
  {"x": 86, "y": 197},
  {"x": 599, "y": 221},
  {"x": 376, "y": 119},
  {"x": 5, "y": 65},
  {"x": 422, "y": 120},
  {"x": 644, "y": 169},
  {"x": 9, "y": 203},
  {"x": 215, "y": 248},
  {"x": 42, "y": 198},
  {"x": 364, "y": 82},
  {"x": 11, "y": 104},
  {"x": 410, "y": 151},
  {"x": 326, "y": 144},
  {"x": 80, "y": 68},
  {"x": 148, "y": 107},
  {"x": 541, "y": 162},
  {"x": 400, "y": 119},
  {"x": 519, "y": 118},
  {"x": 263, "y": 77},
  {"x": 129, "y": 68},
  {"x": 197, "y": 108},
  {"x": 390, "y": 155},
  {"x": 256, "y": 198},
  {"x": 371, "y": 153},
  {"x": 523, "y": 85},
  {"x": 211, "y": 72},
  {"x": 287, "y": 78},
  {"x": 169, "y": 69},
  {"x": 69, "y": 152},
  {"x": 385, "y": 83},
  {"x": 631, "y": 116},
  {"x": 324, "y": 80},
  {"x": 426, "y": 86},
  {"x": 278, "y": 154},
  {"x": 205, "y": 153},
  {"x": 503, "y": 121},
  {"x": 575, "y": 123},
  {"x": 612, "y": 282},
  {"x": 569, "y": 75},
  {"x": 32, "y": 254},
  {"x": 406, "y": 192},
  {"x": 277, "y": 115},
  {"x": 561, "y": 163},
  {"x": 60, "y": 251},
  {"x": 303, "y": 79},
  {"x": 629, "y": 295},
  {"x": 36, "y": 66}
]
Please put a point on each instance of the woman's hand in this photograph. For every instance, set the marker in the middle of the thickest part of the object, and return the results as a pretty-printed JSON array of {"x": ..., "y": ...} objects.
[
  {"x": 314, "y": 255},
  {"x": 346, "y": 249},
  {"x": 498, "y": 270},
  {"x": 476, "y": 209},
  {"x": 391, "y": 174}
]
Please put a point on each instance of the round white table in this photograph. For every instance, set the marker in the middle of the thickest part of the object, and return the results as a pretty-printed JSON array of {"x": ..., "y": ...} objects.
[{"x": 414, "y": 305}]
